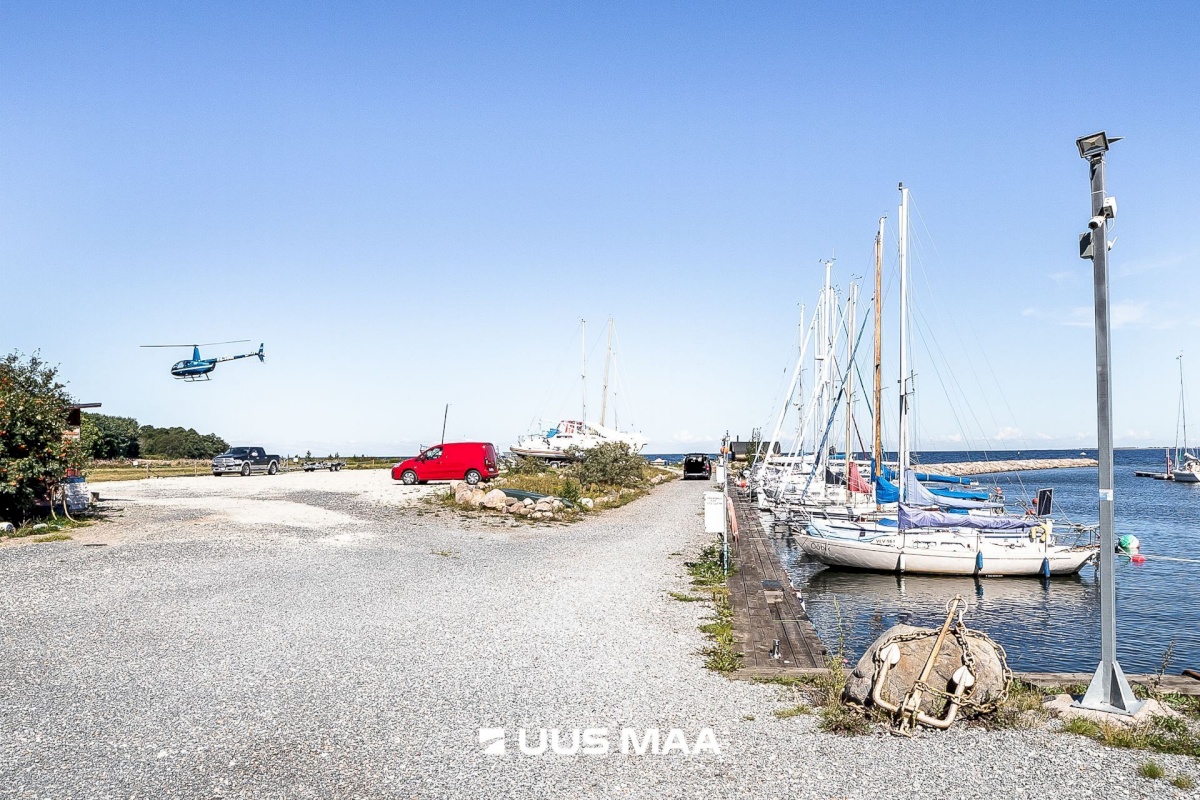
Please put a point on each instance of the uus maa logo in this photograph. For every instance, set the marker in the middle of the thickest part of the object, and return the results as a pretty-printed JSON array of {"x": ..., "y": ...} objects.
[{"x": 598, "y": 742}]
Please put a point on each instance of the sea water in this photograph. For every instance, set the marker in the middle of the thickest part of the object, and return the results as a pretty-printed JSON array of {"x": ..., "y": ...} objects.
[{"x": 1044, "y": 626}]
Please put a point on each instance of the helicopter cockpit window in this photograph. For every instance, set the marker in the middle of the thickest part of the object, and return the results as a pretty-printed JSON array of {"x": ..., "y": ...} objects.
[{"x": 432, "y": 454}]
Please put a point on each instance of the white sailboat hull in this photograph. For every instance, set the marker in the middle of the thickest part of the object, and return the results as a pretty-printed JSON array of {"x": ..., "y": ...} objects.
[{"x": 941, "y": 555}]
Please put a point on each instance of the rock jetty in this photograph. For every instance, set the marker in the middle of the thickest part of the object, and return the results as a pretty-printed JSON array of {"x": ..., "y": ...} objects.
[{"x": 1009, "y": 465}]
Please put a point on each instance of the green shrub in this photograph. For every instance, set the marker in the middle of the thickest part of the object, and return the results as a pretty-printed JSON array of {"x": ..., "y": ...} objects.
[
  {"x": 611, "y": 464},
  {"x": 34, "y": 457}
]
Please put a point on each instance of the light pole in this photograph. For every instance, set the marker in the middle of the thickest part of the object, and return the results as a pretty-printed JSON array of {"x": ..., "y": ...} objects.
[{"x": 1109, "y": 690}]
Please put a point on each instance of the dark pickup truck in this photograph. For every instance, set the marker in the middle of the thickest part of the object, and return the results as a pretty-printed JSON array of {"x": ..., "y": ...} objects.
[
  {"x": 244, "y": 460},
  {"x": 696, "y": 465}
]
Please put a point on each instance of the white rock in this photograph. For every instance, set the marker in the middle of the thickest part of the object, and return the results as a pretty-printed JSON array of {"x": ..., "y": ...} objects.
[
  {"x": 495, "y": 499},
  {"x": 587, "y": 502},
  {"x": 528, "y": 501}
]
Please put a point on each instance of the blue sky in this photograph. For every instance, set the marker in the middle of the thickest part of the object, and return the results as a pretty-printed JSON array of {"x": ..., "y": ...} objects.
[{"x": 414, "y": 205}]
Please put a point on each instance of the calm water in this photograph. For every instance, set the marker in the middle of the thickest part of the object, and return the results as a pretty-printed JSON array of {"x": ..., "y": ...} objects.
[{"x": 1048, "y": 626}]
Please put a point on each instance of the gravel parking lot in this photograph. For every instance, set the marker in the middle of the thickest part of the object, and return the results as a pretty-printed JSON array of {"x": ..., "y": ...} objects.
[{"x": 326, "y": 635}]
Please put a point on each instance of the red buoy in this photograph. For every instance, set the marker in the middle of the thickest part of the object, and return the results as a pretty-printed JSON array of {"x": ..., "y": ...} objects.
[{"x": 1138, "y": 559}]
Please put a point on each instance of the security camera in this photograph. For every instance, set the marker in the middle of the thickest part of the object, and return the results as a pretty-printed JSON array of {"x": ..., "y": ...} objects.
[{"x": 1096, "y": 221}]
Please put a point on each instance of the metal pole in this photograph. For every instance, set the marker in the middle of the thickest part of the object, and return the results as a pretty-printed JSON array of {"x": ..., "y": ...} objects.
[
  {"x": 445, "y": 416},
  {"x": 583, "y": 368},
  {"x": 1109, "y": 690}
]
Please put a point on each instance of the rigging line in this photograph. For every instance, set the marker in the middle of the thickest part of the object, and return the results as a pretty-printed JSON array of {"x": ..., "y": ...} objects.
[
  {"x": 630, "y": 409},
  {"x": 958, "y": 333},
  {"x": 549, "y": 391}
]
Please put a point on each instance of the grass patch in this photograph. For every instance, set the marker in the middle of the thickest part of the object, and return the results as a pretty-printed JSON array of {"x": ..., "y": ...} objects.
[
  {"x": 1169, "y": 735},
  {"x": 1183, "y": 782},
  {"x": 444, "y": 553},
  {"x": 708, "y": 575},
  {"x": 1023, "y": 702},
  {"x": 684, "y": 598},
  {"x": 1151, "y": 770},
  {"x": 798, "y": 710},
  {"x": 748, "y": 717},
  {"x": 52, "y": 528}
]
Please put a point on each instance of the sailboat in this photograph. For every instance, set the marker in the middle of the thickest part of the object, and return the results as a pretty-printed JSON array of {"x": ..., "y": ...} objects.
[
  {"x": 926, "y": 539},
  {"x": 1187, "y": 466},
  {"x": 565, "y": 440}
]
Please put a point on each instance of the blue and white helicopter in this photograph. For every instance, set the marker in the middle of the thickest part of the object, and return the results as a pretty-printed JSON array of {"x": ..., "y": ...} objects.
[{"x": 197, "y": 368}]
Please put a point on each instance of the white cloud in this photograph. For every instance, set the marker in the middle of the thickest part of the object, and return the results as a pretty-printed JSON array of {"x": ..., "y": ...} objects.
[{"x": 1008, "y": 433}]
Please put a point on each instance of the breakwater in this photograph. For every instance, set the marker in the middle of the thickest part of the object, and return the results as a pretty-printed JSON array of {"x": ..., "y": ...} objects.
[{"x": 1008, "y": 465}]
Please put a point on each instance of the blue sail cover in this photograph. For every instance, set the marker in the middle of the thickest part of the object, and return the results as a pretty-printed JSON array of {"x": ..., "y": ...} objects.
[
  {"x": 886, "y": 491},
  {"x": 918, "y": 495},
  {"x": 911, "y": 517},
  {"x": 890, "y": 474}
]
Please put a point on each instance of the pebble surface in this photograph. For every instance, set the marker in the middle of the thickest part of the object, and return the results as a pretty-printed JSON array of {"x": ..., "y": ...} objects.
[{"x": 197, "y": 650}]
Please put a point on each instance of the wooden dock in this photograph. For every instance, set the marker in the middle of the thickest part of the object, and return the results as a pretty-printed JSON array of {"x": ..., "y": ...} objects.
[
  {"x": 1009, "y": 465},
  {"x": 770, "y": 627},
  {"x": 1168, "y": 684}
]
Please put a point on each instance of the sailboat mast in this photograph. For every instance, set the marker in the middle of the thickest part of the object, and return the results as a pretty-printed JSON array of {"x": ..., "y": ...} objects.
[
  {"x": 850, "y": 303},
  {"x": 1182, "y": 406},
  {"x": 903, "y": 443},
  {"x": 877, "y": 420},
  {"x": 583, "y": 362},
  {"x": 607, "y": 363}
]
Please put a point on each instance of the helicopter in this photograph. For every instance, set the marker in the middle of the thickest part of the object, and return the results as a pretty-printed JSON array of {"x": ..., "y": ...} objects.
[{"x": 197, "y": 368}]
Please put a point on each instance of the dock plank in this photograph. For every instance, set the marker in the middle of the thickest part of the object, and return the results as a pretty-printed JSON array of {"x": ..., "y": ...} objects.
[{"x": 765, "y": 606}]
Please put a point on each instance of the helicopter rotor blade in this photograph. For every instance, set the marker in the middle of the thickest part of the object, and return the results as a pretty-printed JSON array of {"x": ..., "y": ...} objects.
[{"x": 201, "y": 344}]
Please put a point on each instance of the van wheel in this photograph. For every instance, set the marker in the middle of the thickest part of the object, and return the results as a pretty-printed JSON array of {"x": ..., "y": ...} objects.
[
  {"x": 409, "y": 478},
  {"x": 472, "y": 477},
  {"x": 245, "y": 470},
  {"x": 271, "y": 470}
]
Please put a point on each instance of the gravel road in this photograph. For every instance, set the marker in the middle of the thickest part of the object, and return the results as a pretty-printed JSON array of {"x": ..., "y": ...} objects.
[{"x": 309, "y": 638}]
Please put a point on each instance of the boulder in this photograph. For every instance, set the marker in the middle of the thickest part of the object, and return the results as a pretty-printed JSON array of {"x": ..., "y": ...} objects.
[
  {"x": 41, "y": 526},
  {"x": 587, "y": 503},
  {"x": 521, "y": 510},
  {"x": 545, "y": 504},
  {"x": 528, "y": 501},
  {"x": 1063, "y": 706},
  {"x": 657, "y": 479},
  {"x": 558, "y": 505},
  {"x": 495, "y": 499},
  {"x": 462, "y": 493},
  {"x": 989, "y": 668},
  {"x": 477, "y": 496},
  {"x": 454, "y": 485}
]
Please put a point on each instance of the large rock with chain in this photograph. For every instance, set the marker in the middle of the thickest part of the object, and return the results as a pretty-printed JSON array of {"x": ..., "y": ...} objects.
[{"x": 989, "y": 668}]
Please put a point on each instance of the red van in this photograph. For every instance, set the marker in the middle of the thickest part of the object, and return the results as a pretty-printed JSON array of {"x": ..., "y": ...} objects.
[{"x": 468, "y": 461}]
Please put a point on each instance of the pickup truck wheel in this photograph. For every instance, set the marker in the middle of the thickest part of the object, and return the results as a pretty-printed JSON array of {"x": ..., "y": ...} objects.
[
  {"x": 245, "y": 470},
  {"x": 271, "y": 470},
  {"x": 472, "y": 477},
  {"x": 409, "y": 478}
]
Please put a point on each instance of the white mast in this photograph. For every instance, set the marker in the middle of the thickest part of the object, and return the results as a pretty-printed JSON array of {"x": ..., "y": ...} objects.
[
  {"x": 850, "y": 303},
  {"x": 903, "y": 443},
  {"x": 1182, "y": 411},
  {"x": 607, "y": 362},
  {"x": 825, "y": 356},
  {"x": 583, "y": 360}
]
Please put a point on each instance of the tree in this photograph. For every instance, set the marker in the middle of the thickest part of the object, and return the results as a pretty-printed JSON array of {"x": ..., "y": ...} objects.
[
  {"x": 110, "y": 437},
  {"x": 179, "y": 443},
  {"x": 611, "y": 463},
  {"x": 34, "y": 456}
]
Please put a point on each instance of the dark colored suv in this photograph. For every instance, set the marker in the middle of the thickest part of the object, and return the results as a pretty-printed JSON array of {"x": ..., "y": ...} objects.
[{"x": 697, "y": 465}]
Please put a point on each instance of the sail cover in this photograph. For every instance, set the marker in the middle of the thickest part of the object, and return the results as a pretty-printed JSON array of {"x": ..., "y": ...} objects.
[
  {"x": 885, "y": 490},
  {"x": 911, "y": 517},
  {"x": 918, "y": 495},
  {"x": 854, "y": 481}
]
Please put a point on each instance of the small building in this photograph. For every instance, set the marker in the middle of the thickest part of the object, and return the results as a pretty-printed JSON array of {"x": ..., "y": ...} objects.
[
  {"x": 75, "y": 420},
  {"x": 739, "y": 449}
]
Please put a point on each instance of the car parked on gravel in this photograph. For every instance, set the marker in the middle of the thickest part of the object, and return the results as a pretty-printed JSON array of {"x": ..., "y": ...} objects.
[
  {"x": 697, "y": 465},
  {"x": 452, "y": 461},
  {"x": 244, "y": 460}
]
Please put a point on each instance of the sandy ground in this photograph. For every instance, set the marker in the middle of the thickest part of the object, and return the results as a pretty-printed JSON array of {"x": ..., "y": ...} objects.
[
  {"x": 283, "y": 499},
  {"x": 320, "y": 636}
]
